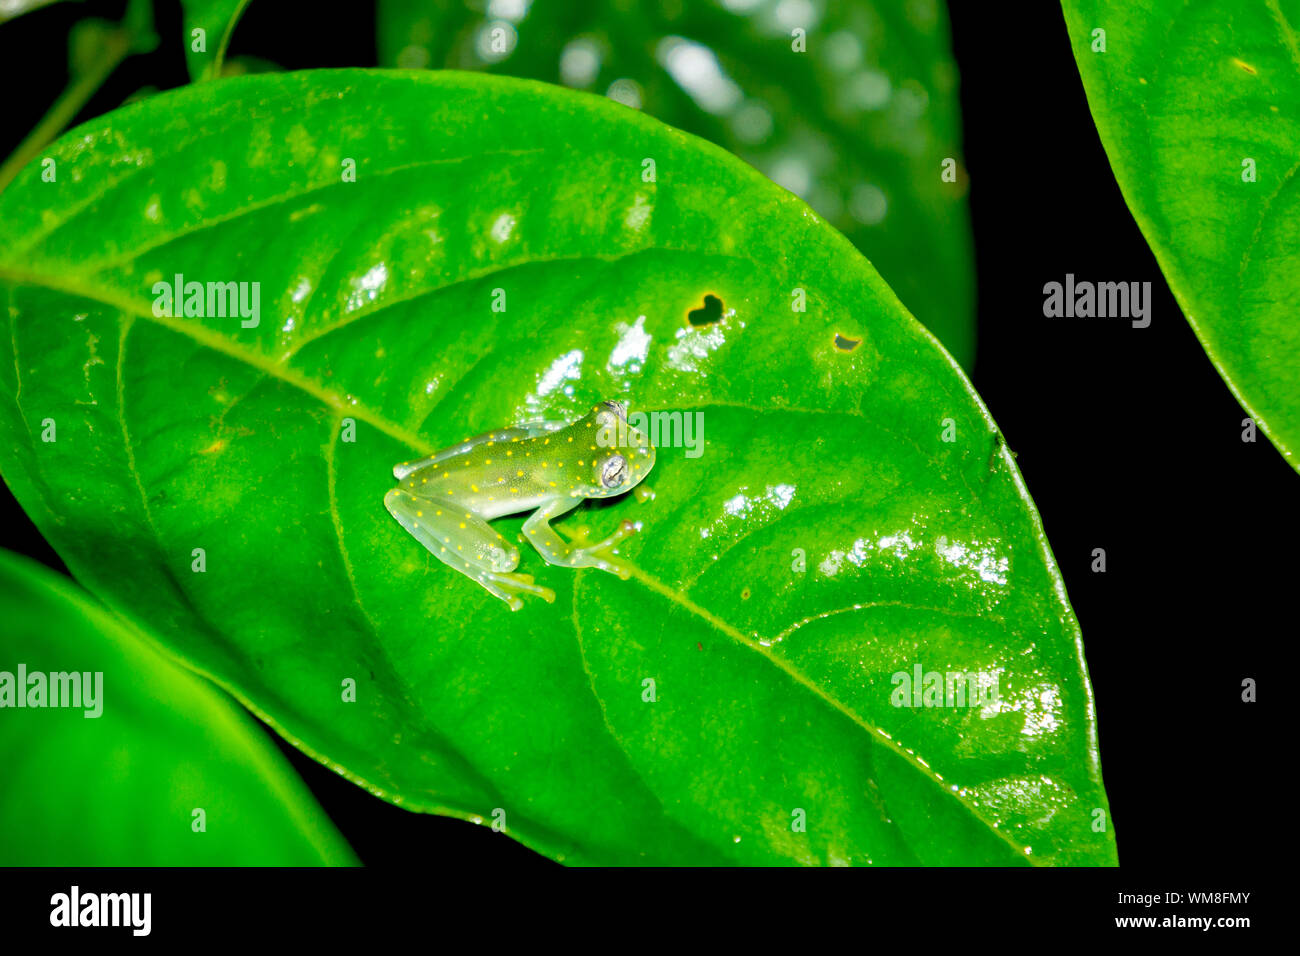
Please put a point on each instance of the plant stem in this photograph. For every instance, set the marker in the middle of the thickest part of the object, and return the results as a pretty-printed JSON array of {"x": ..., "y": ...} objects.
[{"x": 78, "y": 93}]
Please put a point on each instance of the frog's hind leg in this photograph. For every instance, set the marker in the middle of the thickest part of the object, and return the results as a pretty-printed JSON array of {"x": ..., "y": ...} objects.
[{"x": 465, "y": 542}]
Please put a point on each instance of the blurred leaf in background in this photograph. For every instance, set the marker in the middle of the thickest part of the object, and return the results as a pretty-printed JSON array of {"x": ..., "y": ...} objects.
[
  {"x": 208, "y": 26},
  {"x": 121, "y": 788},
  {"x": 858, "y": 116}
]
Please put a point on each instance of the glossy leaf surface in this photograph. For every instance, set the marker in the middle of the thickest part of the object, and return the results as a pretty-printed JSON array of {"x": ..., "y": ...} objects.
[
  {"x": 505, "y": 253},
  {"x": 1195, "y": 104},
  {"x": 121, "y": 788},
  {"x": 857, "y": 116}
]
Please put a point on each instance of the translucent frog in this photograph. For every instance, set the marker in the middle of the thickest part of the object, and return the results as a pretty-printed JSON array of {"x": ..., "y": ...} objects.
[{"x": 549, "y": 468}]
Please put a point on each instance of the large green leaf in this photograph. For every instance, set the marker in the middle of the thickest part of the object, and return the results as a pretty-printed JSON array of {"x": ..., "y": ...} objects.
[
  {"x": 859, "y": 123},
  {"x": 824, "y": 433},
  {"x": 1192, "y": 101},
  {"x": 116, "y": 779}
]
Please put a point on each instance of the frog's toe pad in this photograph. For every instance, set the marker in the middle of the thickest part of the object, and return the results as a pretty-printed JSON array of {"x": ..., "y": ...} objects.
[
  {"x": 509, "y": 587},
  {"x": 601, "y": 554}
]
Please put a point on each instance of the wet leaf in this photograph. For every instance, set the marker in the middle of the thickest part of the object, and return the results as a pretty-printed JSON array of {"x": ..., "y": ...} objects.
[
  {"x": 113, "y": 778},
  {"x": 504, "y": 253},
  {"x": 859, "y": 121},
  {"x": 1195, "y": 106}
]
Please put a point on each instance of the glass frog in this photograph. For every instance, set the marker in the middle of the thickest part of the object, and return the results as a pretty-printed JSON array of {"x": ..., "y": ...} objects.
[{"x": 446, "y": 500}]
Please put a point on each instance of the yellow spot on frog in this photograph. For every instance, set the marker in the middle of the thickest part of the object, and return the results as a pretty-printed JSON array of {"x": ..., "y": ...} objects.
[
  {"x": 216, "y": 446},
  {"x": 1242, "y": 64}
]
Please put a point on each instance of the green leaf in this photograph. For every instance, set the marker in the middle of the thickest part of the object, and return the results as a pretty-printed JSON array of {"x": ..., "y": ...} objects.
[
  {"x": 114, "y": 779},
  {"x": 859, "y": 123},
  {"x": 1191, "y": 102},
  {"x": 824, "y": 442},
  {"x": 217, "y": 19}
]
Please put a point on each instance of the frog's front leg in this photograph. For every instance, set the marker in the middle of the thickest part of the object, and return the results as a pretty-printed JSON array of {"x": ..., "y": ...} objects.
[
  {"x": 575, "y": 554},
  {"x": 465, "y": 542}
]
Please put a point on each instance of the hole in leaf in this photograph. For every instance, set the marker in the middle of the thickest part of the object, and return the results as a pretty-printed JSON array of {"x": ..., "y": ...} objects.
[
  {"x": 846, "y": 344},
  {"x": 708, "y": 313}
]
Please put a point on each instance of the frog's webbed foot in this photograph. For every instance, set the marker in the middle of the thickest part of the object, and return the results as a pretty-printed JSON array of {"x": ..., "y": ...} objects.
[
  {"x": 509, "y": 587},
  {"x": 584, "y": 553}
]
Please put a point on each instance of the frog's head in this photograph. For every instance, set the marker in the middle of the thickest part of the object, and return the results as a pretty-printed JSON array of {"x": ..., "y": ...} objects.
[{"x": 624, "y": 454}]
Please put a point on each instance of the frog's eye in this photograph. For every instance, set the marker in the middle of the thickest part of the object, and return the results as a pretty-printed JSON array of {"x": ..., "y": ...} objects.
[
  {"x": 618, "y": 408},
  {"x": 613, "y": 471}
]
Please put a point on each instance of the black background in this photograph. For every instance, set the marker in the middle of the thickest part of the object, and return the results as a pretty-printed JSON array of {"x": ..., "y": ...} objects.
[{"x": 1127, "y": 438}]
